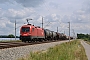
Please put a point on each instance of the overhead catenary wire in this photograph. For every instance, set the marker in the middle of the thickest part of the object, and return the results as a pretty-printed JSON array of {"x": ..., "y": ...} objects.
[{"x": 48, "y": 9}]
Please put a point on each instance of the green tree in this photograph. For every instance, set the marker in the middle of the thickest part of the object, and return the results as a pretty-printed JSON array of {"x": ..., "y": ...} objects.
[
  {"x": 84, "y": 36},
  {"x": 11, "y": 36}
]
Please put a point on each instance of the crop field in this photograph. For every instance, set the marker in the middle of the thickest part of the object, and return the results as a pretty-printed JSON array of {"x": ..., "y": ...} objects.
[{"x": 66, "y": 51}]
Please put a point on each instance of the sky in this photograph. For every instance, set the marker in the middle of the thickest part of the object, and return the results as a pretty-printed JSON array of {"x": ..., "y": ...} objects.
[{"x": 55, "y": 13}]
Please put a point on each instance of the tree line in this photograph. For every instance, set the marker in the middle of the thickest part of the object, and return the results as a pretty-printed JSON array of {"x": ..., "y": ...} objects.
[
  {"x": 8, "y": 36},
  {"x": 84, "y": 36}
]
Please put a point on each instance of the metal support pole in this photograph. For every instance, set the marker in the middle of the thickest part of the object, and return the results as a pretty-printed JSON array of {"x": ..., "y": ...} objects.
[
  {"x": 64, "y": 32},
  {"x": 15, "y": 29},
  {"x": 69, "y": 31},
  {"x": 57, "y": 29},
  {"x": 73, "y": 34},
  {"x": 42, "y": 22}
]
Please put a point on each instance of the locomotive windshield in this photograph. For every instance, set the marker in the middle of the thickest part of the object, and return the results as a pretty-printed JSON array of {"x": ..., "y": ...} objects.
[{"x": 25, "y": 29}]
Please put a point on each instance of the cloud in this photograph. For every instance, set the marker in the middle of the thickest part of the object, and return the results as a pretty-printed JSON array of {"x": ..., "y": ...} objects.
[
  {"x": 56, "y": 13},
  {"x": 6, "y": 27},
  {"x": 86, "y": 6},
  {"x": 30, "y": 3},
  {"x": 3, "y": 1},
  {"x": 24, "y": 3},
  {"x": 80, "y": 16},
  {"x": 13, "y": 14}
]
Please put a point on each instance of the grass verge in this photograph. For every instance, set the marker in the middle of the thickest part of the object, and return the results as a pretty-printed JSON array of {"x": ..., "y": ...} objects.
[
  {"x": 65, "y": 51},
  {"x": 11, "y": 41}
]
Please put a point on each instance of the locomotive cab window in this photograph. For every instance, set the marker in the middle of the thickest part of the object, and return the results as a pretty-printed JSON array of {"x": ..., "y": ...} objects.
[
  {"x": 32, "y": 29},
  {"x": 25, "y": 29}
]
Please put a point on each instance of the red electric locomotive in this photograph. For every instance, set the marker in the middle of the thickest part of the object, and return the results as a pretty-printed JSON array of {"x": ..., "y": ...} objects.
[{"x": 31, "y": 33}]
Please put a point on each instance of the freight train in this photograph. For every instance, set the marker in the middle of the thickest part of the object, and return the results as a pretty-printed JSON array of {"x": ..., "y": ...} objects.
[{"x": 33, "y": 33}]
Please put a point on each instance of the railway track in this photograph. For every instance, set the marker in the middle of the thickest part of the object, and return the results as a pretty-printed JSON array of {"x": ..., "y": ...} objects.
[{"x": 4, "y": 45}]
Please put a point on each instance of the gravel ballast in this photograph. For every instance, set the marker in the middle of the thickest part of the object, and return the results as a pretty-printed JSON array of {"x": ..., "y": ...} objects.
[{"x": 17, "y": 52}]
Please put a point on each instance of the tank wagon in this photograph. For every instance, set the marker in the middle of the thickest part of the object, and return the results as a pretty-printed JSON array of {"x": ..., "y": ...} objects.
[{"x": 32, "y": 33}]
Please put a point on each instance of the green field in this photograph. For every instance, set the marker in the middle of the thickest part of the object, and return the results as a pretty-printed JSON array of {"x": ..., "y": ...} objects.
[{"x": 65, "y": 51}]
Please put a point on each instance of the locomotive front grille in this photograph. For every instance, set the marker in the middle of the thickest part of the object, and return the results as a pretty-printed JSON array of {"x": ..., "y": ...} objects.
[{"x": 25, "y": 37}]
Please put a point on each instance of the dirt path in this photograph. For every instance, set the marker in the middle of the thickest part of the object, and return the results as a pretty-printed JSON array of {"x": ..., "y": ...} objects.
[{"x": 87, "y": 49}]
